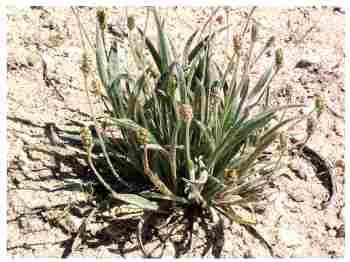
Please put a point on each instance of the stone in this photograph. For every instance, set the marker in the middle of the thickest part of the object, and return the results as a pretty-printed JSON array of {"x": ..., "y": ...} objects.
[
  {"x": 303, "y": 63},
  {"x": 301, "y": 168},
  {"x": 36, "y": 155}
]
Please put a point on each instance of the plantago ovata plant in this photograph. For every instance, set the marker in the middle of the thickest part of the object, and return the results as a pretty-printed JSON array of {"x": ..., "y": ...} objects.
[{"x": 191, "y": 131}]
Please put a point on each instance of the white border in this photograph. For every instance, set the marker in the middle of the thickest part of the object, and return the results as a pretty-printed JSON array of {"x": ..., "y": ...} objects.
[
  {"x": 347, "y": 130},
  {"x": 3, "y": 131},
  {"x": 179, "y": 2},
  {"x": 3, "y": 79}
]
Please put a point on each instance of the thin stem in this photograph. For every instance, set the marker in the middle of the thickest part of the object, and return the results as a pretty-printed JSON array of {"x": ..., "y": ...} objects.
[
  {"x": 81, "y": 28},
  {"x": 247, "y": 23},
  {"x": 233, "y": 82},
  {"x": 103, "y": 146},
  {"x": 153, "y": 177},
  {"x": 267, "y": 97},
  {"x": 99, "y": 177},
  {"x": 188, "y": 154},
  {"x": 173, "y": 165}
]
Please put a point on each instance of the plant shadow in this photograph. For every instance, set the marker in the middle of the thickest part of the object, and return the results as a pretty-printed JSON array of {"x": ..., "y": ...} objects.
[
  {"x": 171, "y": 236},
  {"x": 177, "y": 233}
]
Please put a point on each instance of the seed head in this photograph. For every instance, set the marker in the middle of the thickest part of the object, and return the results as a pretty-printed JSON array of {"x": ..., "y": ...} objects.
[
  {"x": 86, "y": 137},
  {"x": 102, "y": 19},
  {"x": 237, "y": 43},
  {"x": 320, "y": 104},
  {"x": 172, "y": 85},
  {"x": 254, "y": 33},
  {"x": 214, "y": 94},
  {"x": 97, "y": 87},
  {"x": 85, "y": 64},
  {"x": 279, "y": 58},
  {"x": 231, "y": 176},
  {"x": 142, "y": 136},
  {"x": 131, "y": 22}
]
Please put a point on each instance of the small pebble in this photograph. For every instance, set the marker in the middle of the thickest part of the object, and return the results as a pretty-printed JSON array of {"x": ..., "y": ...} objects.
[
  {"x": 338, "y": 9},
  {"x": 297, "y": 195},
  {"x": 303, "y": 63},
  {"x": 35, "y": 155}
]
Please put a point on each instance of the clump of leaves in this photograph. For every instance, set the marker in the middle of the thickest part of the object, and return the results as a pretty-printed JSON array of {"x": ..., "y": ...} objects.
[{"x": 192, "y": 132}]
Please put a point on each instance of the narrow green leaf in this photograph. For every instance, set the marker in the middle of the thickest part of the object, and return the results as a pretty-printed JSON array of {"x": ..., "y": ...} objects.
[
  {"x": 117, "y": 96},
  {"x": 184, "y": 91},
  {"x": 163, "y": 47},
  {"x": 195, "y": 51},
  {"x": 137, "y": 201},
  {"x": 113, "y": 62},
  {"x": 243, "y": 96},
  {"x": 234, "y": 137},
  {"x": 207, "y": 134},
  {"x": 213, "y": 187},
  {"x": 133, "y": 126},
  {"x": 101, "y": 58},
  {"x": 187, "y": 47},
  {"x": 223, "y": 76},
  {"x": 266, "y": 47},
  {"x": 156, "y": 195},
  {"x": 156, "y": 57},
  {"x": 174, "y": 53},
  {"x": 259, "y": 87},
  {"x": 262, "y": 145}
]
